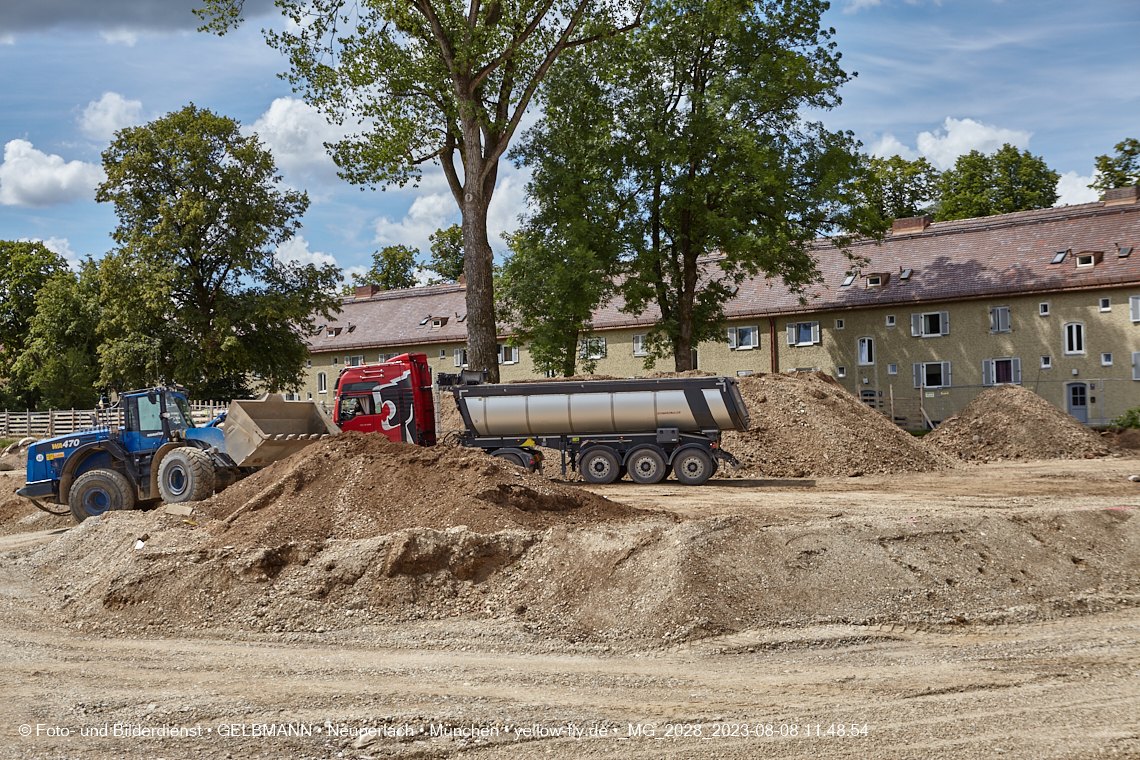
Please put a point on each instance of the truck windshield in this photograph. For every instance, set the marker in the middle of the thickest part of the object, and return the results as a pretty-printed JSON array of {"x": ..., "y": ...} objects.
[{"x": 178, "y": 410}]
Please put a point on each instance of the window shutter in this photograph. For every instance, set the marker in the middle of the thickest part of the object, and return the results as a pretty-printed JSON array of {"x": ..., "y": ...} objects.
[
  {"x": 459, "y": 357},
  {"x": 755, "y": 336},
  {"x": 601, "y": 348},
  {"x": 918, "y": 375},
  {"x": 946, "y": 375},
  {"x": 1136, "y": 365},
  {"x": 1016, "y": 371},
  {"x": 814, "y": 332},
  {"x": 945, "y": 322},
  {"x": 987, "y": 372},
  {"x": 500, "y": 353},
  {"x": 732, "y": 337},
  {"x": 1134, "y": 306},
  {"x": 916, "y": 327},
  {"x": 1003, "y": 319},
  {"x": 583, "y": 348},
  {"x": 791, "y": 334},
  {"x": 994, "y": 320}
]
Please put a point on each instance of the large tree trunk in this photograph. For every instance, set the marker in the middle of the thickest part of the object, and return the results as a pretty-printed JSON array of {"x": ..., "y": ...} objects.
[{"x": 478, "y": 261}]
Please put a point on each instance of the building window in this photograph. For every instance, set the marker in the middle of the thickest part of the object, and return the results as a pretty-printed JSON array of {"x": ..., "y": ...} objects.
[
  {"x": 310, "y": 397},
  {"x": 866, "y": 352},
  {"x": 892, "y": 369},
  {"x": 354, "y": 361},
  {"x": 932, "y": 375},
  {"x": 871, "y": 399},
  {"x": 639, "y": 348},
  {"x": 1134, "y": 308},
  {"x": 1046, "y": 362},
  {"x": 460, "y": 356},
  {"x": 443, "y": 353},
  {"x": 592, "y": 348},
  {"x": 308, "y": 364},
  {"x": 336, "y": 360},
  {"x": 1074, "y": 338},
  {"x": 508, "y": 354},
  {"x": 874, "y": 281},
  {"x": 890, "y": 320},
  {"x": 1086, "y": 260},
  {"x": 999, "y": 371},
  {"x": 1043, "y": 308},
  {"x": 847, "y": 281},
  {"x": 322, "y": 383},
  {"x": 1106, "y": 360},
  {"x": 1106, "y": 304},
  {"x": 744, "y": 338},
  {"x": 999, "y": 319},
  {"x": 930, "y": 324},
  {"x": 841, "y": 372},
  {"x": 839, "y": 324},
  {"x": 803, "y": 333}
]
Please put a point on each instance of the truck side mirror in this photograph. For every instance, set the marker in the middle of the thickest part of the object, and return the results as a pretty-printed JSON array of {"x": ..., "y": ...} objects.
[{"x": 151, "y": 397}]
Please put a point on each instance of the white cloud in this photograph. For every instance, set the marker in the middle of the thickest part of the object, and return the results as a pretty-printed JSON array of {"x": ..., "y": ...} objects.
[
  {"x": 888, "y": 145},
  {"x": 508, "y": 202},
  {"x": 120, "y": 36},
  {"x": 960, "y": 136},
  {"x": 295, "y": 250},
  {"x": 295, "y": 133},
  {"x": 102, "y": 118},
  {"x": 427, "y": 214},
  {"x": 1073, "y": 189},
  {"x": 32, "y": 178},
  {"x": 854, "y": 6}
]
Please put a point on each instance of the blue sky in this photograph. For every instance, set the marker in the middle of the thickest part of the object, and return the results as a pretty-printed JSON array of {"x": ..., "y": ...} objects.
[{"x": 935, "y": 78}]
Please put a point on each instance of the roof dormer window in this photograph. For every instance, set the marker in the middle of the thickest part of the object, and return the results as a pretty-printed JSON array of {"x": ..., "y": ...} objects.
[
  {"x": 438, "y": 322},
  {"x": 1088, "y": 258},
  {"x": 877, "y": 279}
]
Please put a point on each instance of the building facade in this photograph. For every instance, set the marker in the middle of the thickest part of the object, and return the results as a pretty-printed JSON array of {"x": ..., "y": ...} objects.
[{"x": 934, "y": 314}]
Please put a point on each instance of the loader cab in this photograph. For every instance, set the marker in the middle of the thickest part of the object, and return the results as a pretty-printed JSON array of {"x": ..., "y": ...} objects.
[{"x": 152, "y": 415}]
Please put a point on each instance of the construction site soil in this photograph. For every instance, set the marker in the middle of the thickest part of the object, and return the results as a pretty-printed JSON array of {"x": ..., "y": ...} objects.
[
  {"x": 1012, "y": 422},
  {"x": 933, "y": 607}
]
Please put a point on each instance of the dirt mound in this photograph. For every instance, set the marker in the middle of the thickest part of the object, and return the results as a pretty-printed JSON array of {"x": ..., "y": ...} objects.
[
  {"x": 806, "y": 424},
  {"x": 1125, "y": 439},
  {"x": 1011, "y": 422},
  {"x": 18, "y": 515},
  {"x": 356, "y": 485}
]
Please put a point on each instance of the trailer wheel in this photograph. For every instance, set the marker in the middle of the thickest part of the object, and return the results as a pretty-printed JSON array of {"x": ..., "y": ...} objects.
[
  {"x": 600, "y": 466},
  {"x": 693, "y": 467},
  {"x": 99, "y": 491},
  {"x": 646, "y": 466},
  {"x": 186, "y": 474},
  {"x": 509, "y": 458}
]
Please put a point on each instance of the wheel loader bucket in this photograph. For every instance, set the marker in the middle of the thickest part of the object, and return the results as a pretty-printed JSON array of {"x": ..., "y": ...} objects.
[{"x": 262, "y": 431}]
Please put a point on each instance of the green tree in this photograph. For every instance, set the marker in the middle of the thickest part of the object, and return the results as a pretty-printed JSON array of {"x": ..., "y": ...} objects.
[
  {"x": 24, "y": 269},
  {"x": 393, "y": 268},
  {"x": 433, "y": 81},
  {"x": 900, "y": 189},
  {"x": 446, "y": 254},
  {"x": 1009, "y": 180},
  {"x": 1121, "y": 170},
  {"x": 193, "y": 293},
  {"x": 729, "y": 179},
  {"x": 60, "y": 361}
]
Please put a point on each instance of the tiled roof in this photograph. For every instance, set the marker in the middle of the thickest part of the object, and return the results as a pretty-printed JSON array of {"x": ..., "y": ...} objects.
[{"x": 969, "y": 258}]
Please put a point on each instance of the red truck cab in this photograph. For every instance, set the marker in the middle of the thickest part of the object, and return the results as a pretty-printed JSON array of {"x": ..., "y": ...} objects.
[{"x": 393, "y": 398}]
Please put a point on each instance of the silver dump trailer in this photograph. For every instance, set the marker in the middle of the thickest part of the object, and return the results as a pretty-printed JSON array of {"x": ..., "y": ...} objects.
[{"x": 608, "y": 428}]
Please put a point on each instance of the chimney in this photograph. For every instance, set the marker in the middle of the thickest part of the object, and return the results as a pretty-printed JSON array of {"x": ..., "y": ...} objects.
[
  {"x": 366, "y": 291},
  {"x": 910, "y": 225},
  {"x": 1118, "y": 196}
]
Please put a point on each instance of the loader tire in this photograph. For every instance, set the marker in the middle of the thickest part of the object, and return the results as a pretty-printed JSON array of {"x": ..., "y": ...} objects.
[
  {"x": 186, "y": 474},
  {"x": 99, "y": 491},
  {"x": 693, "y": 467}
]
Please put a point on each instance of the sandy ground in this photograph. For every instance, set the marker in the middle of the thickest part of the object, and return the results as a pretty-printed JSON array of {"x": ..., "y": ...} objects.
[{"x": 1065, "y": 685}]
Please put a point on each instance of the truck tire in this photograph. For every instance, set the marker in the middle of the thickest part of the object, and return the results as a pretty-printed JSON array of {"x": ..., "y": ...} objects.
[
  {"x": 646, "y": 466},
  {"x": 693, "y": 467},
  {"x": 509, "y": 458},
  {"x": 600, "y": 466},
  {"x": 186, "y": 474},
  {"x": 99, "y": 491}
]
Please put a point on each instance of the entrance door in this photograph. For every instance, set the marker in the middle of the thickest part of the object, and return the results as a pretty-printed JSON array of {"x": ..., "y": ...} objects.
[{"x": 1078, "y": 402}]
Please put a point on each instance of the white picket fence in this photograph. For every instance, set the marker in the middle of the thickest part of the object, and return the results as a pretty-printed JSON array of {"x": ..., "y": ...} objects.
[{"x": 30, "y": 424}]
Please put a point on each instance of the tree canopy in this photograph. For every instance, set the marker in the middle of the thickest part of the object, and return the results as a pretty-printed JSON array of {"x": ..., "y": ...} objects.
[
  {"x": 393, "y": 268},
  {"x": 446, "y": 254},
  {"x": 193, "y": 293},
  {"x": 900, "y": 189},
  {"x": 1007, "y": 181},
  {"x": 1121, "y": 170},
  {"x": 725, "y": 177},
  {"x": 433, "y": 81},
  {"x": 24, "y": 269}
]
